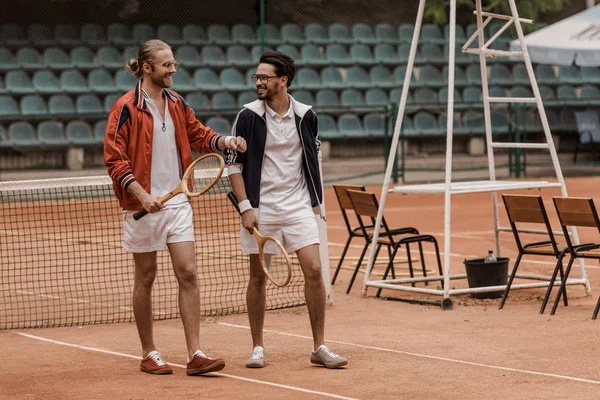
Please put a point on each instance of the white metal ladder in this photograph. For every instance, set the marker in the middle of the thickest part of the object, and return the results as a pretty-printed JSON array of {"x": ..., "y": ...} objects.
[{"x": 449, "y": 188}]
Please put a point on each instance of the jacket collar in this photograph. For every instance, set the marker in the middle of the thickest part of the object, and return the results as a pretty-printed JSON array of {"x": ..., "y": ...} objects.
[
  {"x": 140, "y": 101},
  {"x": 258, "y": 106}
]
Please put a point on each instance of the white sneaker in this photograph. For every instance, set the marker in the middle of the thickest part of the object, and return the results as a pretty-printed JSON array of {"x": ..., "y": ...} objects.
[
  {"x": 257, "y": 358},
  {"x": 327, "y": 358}
]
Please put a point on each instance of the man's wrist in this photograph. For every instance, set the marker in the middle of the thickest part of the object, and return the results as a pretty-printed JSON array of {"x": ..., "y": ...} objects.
[
  {"x": 245, "y": 206},
  {"x": 228, "y": 140}
]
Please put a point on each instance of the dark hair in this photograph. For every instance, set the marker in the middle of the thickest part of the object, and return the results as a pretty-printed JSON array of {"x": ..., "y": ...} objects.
[
  {"x": 284, "y": 64},
  {"x": 145, "y": 55}
]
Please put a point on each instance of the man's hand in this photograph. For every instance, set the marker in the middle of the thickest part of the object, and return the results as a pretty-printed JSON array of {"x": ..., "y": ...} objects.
[
  {"x": 249, "y": 220},
  {"x": 238, "y": 144},
  {"x": 151, "y": 203}
]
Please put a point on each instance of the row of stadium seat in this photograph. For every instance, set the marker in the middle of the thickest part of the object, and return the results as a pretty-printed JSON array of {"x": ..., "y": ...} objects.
[
  {"x": 53, "y": 134},
  {"x": 231, "y": 79},
  {"x": 39, "y": 35},
  {"x": 470, "y": 97}
]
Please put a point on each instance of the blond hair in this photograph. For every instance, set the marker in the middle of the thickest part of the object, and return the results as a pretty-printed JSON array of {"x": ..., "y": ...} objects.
[{"x": 145, "y": 55}]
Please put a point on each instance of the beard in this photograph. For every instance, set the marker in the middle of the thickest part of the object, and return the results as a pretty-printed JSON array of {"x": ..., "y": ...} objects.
[
  {"x": 267, "y": 94},
  {"x": 162, "y": 81}
]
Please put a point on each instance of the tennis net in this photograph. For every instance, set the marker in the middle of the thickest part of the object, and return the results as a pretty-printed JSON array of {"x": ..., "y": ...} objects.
[{"x": 62, "y": 261}]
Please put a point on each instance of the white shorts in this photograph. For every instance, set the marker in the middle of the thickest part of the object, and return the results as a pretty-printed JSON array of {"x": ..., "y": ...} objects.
[
  {"x": 154, "y": 231},
  {"x": 293, "y": 236}
]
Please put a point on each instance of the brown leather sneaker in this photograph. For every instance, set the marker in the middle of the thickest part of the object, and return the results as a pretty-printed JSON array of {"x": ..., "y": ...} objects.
[
  {"x": 154, "y": 364},
  {"x": 201, "y": 364}
]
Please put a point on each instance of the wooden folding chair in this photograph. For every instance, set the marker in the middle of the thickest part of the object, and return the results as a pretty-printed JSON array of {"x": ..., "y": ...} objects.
[
  {"x": 530, "y": 209},
  {"x": 366, "y": 206},
  {"x": 576, "y": 212}
]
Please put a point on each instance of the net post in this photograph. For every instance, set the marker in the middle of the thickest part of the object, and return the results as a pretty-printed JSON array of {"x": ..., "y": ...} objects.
[{"x": 324, "y": 248}]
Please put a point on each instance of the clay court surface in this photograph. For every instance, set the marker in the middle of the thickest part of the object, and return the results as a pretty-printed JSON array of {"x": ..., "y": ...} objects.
[{"x": 396, "y": 350}]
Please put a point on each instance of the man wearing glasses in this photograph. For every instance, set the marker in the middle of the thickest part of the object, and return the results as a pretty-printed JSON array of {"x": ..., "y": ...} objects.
[
  {"x": 277, "y": 182},
  {"x": 146, "y": 151}
]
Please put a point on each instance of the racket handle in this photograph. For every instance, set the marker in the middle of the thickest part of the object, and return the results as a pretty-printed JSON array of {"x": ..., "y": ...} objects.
[
  {"x": 139, "y": 214},
  {"x": 233, "y": 200}
]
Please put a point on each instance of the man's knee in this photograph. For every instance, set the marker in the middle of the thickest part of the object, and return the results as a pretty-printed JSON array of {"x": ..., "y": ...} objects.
[{"x": 312, "y": 273}]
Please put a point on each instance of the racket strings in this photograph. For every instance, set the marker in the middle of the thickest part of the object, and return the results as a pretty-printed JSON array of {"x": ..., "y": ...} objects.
[
  {"x": 275, "y": 262},
  {"x": 204, "y": 174}
]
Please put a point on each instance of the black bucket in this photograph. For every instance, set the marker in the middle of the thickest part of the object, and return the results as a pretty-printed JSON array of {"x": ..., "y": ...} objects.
[{"x": 481, "y": 274}]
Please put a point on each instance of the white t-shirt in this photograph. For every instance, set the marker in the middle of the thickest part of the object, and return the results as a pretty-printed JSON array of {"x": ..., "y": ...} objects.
[
  {"x": 166, "y": 169},
  {"x": 284, "y": 195}
]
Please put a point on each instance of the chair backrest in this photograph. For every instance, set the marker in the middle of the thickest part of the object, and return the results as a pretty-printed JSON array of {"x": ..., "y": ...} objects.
[
  {"x": 576, "y": 211},
  {"x": 588, "y": 125},
  {"x": 365, "y": 204},
  {"x": 527, "y": 209},
  {"x": 341, "y": 192}
]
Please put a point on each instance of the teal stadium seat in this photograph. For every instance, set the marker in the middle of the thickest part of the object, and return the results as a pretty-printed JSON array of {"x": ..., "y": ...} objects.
[
  {"x": 7, "y": 61},
  {"x": 13, "y": 36},
  {"x": 141, "y": 33},
  {"x": 83, "y": 58},
  {"x": 382, "y": 77},
  {"x": 224, "y": 101},
  {"x": 443, "y": 97},
  {"x": 460, "y": 76},
  {"x": 316, "y": 33},
  {"x": 327, "y": 98},
  {"x": 403, "y": 53},
  {"x": 405, "y": 32},
  {"x": 303, "y": 96},
  {"x": 350, "y": 126},
  {"x": 548, "y": 94},
  {"x": 272, "y": 34},
  {"x": 461, "y": 36},
  {"x": 474, "y": 74},
  {"x": 101, "y": 81},
  {"x": 361, "y": 54},
  {"x": 566, "y": 95},
  {"x": 425, "y": 96},
  {"x": 327, "y": 127},
  {"x": 544, "y": 74},
  {"x": 183, "y": 82},
  {"x": 170, "y": 34},
  {"x": 590, "y": 95},
  {"x": 430, "y": 76},
  {"x": 376, "y": 97},
  {"x": 194, "y": 35},
  {"x": 504, "y": 38},
  {"x": 239, "y": 56},
  {"x": 339, "y": 33},
  {"x": 232, "y": 79},
  {"x": 570, "y": 74},
  {"x": 500, "y": 123},
  {"x": 407, "y": 128},
  {"x": 308, "y": 78},
  {"x": 336, "y": 54},
  {"x": 22, "y": 135},
  {"x": 460, "y": 58},
  {"x": 219, "y": 125},
  {"x": 432, "y": 54},
  {"x": 93, "y": 35},
  {"x": 252, "y": 86},
  {"x": 3, "y": 138},
  {"x": 41, "y": 36},
  {"x": 357, "y": 77},
  {"x": 213, "y": 56},
  {"x": 50, "y": 134},
  {"x": 399, "y": 74},
  {"x": 18, "y": 82},
  {"x": 129, "y": 52},
  {"x": 45, "y": 81},
  {"x": 427, "y": 125},
  {"x": 79, "y": 133},
  {"x": 56, "y": 59},
  {"x": 472, "y": 97},
  {"x": 457, "y": 125},
  {"x": 207, "y": 80},
  {"x": 73, "y": 81},
  {"x": 590, "y": 74},
  {"x": 500, "y": 75},
  {"x": 67, "y": 35},
  {"x": 352, "y": 98},
  {"x": 246, "y": 97},
  {"x": 110, "y": 58},
  {"x": 522, "y": 91},
  {"x": 219, "y": 34},
  {"x": 385, "y": 33},
  {"x": 198, "y": 101},
  {"x": 188, "y": 56},
  {"x": 61, "y": 104},
  {"x": 311, "y": 56},
  {"x": 29, "y": 59},
  {"x": 8, "y": 106},
  {"x": 291, "y": 51},
  {"x": 243, "y": 34},
  {"x": 110, "y": 100},
  {"x": 519, "y": 74},
  {"x": 375, "y": 125},
  {"x": 100, "y": 131},
  {"x": 88, "y": 104},
  {"x": 385, "y": 53},
  {"x": 363, "y": 33},
  {"x": 125, "y": 81},
  {"x": 257, "y": 51},
  {"x": 474, "y": 122},
  {"x": 33, "y": 105},
  {"x": 497, "y": 91},
  {"x": 431, "y": 33},
  {"x": 395, "y": 96}
]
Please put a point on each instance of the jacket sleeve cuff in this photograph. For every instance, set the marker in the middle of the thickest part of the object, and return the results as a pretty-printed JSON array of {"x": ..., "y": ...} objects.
[
  {"x": 214, "y": 141},
  {"x": 126, "y": 180}
]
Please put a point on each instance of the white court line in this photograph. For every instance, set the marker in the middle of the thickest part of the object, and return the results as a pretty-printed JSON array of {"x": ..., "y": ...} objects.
[
  {"x": 408, "y": 353},
  {"x": 241, "y": 378}
]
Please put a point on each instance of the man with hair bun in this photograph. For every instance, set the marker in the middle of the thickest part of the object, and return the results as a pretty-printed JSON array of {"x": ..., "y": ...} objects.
[{"x": 146, "y": 151}]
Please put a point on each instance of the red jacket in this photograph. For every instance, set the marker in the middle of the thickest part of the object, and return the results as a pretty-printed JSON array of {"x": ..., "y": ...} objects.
[{"x": 128, "y": 141}]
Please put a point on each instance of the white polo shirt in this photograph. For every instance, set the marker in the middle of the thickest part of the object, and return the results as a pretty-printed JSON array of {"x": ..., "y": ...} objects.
[
  {"x": 284, "y": 195},
  {"x": 166, "y": 169}
]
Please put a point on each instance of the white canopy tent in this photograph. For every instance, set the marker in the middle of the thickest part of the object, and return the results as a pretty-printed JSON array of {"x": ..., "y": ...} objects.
[{"x": 573, "y": 40}]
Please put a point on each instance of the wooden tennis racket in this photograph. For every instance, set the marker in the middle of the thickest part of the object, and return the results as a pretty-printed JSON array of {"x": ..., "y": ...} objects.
[
  {"x": 199, "y": 178},
  {"x": 274, "y": 260}
]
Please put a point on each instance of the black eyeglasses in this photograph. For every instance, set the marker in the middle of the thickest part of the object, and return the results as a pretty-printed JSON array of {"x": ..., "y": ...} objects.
[{"x": 263, "y": 78}]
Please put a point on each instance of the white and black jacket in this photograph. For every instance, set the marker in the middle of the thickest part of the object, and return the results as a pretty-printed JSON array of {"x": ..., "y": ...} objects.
[{"x": 251, "y": 124}]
